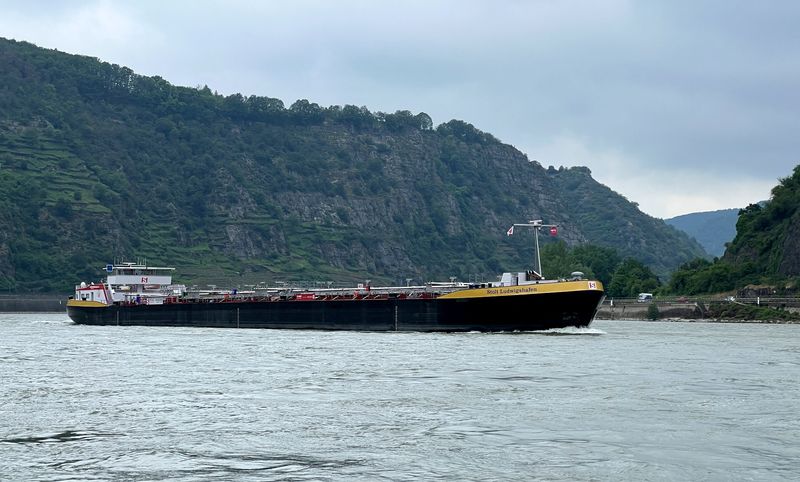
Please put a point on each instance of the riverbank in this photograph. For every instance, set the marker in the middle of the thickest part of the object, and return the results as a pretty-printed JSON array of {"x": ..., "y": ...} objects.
[
  {"x": 716, "y": 311},
  {"x": 730, "y": 321}
]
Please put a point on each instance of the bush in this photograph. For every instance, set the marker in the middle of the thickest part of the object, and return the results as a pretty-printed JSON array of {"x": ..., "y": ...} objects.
[
  {"x": 63, "y": 209},
  {"x": 652, "y": 312}
]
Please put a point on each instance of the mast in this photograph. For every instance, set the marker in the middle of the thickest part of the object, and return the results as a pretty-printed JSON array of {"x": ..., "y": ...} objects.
[{"x": 536, "y": 224}]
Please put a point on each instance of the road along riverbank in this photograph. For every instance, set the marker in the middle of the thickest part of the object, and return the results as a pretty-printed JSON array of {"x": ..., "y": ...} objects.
[{"x": 783, "y": 310}]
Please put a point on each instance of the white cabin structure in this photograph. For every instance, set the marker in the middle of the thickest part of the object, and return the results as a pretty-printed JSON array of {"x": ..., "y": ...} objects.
[{"x": 131, "y": 283}]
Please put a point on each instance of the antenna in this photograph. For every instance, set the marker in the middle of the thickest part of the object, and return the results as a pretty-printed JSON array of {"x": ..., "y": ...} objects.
[{"x": 536, "y": 224}]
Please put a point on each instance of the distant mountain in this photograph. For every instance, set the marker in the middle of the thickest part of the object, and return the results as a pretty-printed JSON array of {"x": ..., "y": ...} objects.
[
  {"x": 712, "y": 229},
  {"x": 98, "y": 163}
]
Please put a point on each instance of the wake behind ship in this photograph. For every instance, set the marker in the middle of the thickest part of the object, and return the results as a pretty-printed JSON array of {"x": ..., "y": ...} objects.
[{"x": 136, "y": 294}]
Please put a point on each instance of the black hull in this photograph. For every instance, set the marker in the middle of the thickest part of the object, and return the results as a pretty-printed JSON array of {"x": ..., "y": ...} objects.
[{"x": 500, "y": 313}]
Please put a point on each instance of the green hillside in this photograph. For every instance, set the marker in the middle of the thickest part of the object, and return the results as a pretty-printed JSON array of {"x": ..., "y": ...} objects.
[
  {"x": 98, "y": 163},
  {"x": 765, "y": 251}
]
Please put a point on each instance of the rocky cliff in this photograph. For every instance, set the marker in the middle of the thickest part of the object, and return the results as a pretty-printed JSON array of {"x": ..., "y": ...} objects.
[{"x": 98, "y": 163}]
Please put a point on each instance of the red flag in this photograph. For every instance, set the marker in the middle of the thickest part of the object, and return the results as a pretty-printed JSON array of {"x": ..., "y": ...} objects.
[
  {"x": 510, "y": 231},
  {"x": 553, "y": 231}
]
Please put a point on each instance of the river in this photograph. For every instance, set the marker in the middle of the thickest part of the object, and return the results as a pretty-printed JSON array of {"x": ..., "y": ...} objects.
[{"x": 621, "y": 400}]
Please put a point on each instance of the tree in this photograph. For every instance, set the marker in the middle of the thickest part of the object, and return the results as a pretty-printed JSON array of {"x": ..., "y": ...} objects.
[
  {"x": 465, "y": 132},
  {"x": 356, "y": 116},
  {"x": 305, "y": 112},
  {"x": 558, "y": 261},
  {"x": 400, "y": 120},
  {"x": 265, "y": 108},
  {"x": 594, "y": 261},
  {"x": 63, "y": 208},
  {"x": 602, "y": 261},
  {"x": 632, "y": 277},
  {"x": 424, "y": 121},
  {"x": 234, "y": 106}
]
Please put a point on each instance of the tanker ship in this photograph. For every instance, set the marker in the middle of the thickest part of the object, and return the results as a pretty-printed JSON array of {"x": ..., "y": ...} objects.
[{"x": 137, "y": 294}]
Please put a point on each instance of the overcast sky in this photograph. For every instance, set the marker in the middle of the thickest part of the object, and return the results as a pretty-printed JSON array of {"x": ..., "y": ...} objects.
[{"x": 681, "y": 106}]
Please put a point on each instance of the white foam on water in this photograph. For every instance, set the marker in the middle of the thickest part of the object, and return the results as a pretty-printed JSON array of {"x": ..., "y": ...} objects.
[{"x": 572, "y": 330}]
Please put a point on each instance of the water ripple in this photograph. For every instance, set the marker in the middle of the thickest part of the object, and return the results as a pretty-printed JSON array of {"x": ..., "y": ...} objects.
[
  {"x": 60, "y": 437},
  {"x": 631, "y": 401}
]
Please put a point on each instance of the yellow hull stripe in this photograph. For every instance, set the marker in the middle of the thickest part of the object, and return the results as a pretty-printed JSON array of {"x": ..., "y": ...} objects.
[
  {"x": 541, "y": 288},
  {"x": 86, "y": 304}
]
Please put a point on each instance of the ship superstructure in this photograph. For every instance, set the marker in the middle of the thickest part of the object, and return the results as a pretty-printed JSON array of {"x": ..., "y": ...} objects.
[{"x": 131, "y": 283}]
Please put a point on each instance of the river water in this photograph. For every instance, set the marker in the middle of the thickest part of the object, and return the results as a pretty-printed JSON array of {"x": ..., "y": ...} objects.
[{"x": 620, "y": 400}]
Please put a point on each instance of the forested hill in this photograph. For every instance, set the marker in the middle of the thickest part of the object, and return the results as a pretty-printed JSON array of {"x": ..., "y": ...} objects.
[
  {"x": 765, "y": 251},
  {"x": 768, "y": 236},
  {"x": 98, "y": 163}
]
